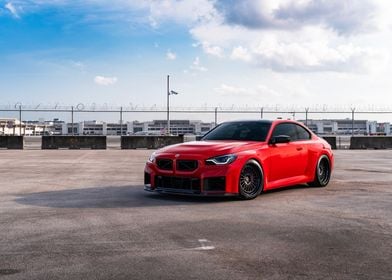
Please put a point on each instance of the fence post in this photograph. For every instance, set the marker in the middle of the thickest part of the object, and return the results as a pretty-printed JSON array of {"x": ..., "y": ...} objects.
[
  {"x": 72, "y": 120},
  {"x": 352, "y": 121},
  {"x": 306, "y": 116},
  {"x": 216, "y": 116},
  {"x": 20, "y": 120},
  {"x": 261, "y": 112},
  {"x": 121, "y": 121}
]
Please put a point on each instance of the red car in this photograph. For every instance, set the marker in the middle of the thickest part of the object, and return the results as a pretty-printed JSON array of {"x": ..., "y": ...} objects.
[{"x": 242, "y": 158}]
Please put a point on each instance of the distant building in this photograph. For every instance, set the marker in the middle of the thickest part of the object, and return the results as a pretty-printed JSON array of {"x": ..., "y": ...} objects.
[
  {"x": 177, "y": 127},
  {"x": 12, "y": 126},
  {"x": 156, "y": 127},
  {"x": 116, "y": 129},
  {"x": 383, "y": 128},
  {"x": 72, "y": 129},
  {"x": 92, "y": 128},
  {"x": 342, "y": 127},
  {"x": 42, "y": 127},
  {"x": 322, "y": 126}
]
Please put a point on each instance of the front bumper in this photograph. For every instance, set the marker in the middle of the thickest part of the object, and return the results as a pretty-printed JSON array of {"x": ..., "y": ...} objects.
[
  {"x": 204, "y": 181},
  {"x": 185, "y": 192}
]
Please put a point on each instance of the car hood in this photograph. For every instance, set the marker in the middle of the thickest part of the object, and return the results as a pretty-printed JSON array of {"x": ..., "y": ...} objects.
[{"x": 209, "y": 148}]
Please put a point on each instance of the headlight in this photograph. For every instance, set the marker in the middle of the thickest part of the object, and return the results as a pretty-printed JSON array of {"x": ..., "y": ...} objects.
[
  {"x": 221, "y": 160},
  {"x": 152, "y": 157}
]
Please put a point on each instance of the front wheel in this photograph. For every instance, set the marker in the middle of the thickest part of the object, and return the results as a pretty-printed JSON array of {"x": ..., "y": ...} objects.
[
  {"x": 251, "y": 180},
  {"x": 323, "y": 172}
]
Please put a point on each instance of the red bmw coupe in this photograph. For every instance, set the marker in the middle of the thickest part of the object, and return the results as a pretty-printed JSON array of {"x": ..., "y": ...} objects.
[{"x": 242, "y": 158}]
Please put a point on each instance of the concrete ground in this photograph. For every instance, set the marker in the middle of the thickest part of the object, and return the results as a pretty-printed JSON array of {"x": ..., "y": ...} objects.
[{"x": 84, "y": 215}]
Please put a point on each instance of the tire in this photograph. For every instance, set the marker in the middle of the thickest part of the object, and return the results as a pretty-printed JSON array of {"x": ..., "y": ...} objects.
[
  {"x": 323, "y": 172},
  {"x": 251, "y": 180}
]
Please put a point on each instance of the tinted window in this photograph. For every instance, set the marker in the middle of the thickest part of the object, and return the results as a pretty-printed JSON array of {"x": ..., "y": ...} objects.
[
  {"x": 243, "y": 131},
  {"x": 296, "y": 132},
  {"x": 303, "y": 134},
  {"x": 286, "y": 129}
]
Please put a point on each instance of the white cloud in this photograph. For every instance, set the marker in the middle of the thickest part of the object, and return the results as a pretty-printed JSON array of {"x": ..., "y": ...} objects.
[
  {"x": 196, "y": 66},
  {"x": 153, "y": 22},
  {"x": 170, "y": 55},
  {"x": 10, "y": 7},
  {"x": 260, "y": 91},
  {"x": 282, "y": 35},
  {"x": 304, "y": 36},
  {"x": 308, "y": 49},
  {"x": 212, "y": 50},
  {"x": 180, "y": 11},
  {"x": 344, "y": 17},
  {"x": 105, "y": 81},
  {"x": 241, "y": 53},
  {"x": 314, "y": 55},
  {"x": 225, "y": 89},
  {"x": 383, "y": 19}
]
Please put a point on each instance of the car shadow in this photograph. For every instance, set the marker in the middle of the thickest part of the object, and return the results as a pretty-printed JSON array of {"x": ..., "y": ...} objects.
[
  {"x": 111, "y": 197},
  {"x": 122, "y": 197}
]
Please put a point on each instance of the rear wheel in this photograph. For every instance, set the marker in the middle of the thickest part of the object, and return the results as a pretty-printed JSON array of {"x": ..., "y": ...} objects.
[
  {"x": 251, "y": 180},
  {"x": 323, "y": 172}
]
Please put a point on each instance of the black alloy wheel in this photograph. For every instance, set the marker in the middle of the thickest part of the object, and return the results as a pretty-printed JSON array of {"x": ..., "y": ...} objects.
[
  {"x": 251, "y": 180},
  {"x": 323, "y": 172}
]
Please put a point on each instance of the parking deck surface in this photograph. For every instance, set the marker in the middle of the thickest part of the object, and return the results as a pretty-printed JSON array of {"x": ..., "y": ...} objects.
[{"x": 84, "y": 215}]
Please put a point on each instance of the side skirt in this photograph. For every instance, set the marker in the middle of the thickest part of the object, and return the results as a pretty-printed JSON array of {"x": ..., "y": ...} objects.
[{"x": 287, "y": 182}]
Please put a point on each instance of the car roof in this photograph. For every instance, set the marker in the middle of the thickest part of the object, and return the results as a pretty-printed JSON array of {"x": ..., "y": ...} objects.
[
  {"x": 265, "y": 121},
  {"x": 286, "y": 121},
  {"x": 250, "y": 121}
]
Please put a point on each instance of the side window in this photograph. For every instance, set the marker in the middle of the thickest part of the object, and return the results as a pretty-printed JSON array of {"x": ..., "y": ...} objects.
[
  {"x": 303, "y": 134},
  {"x": 286, "y": 129}
]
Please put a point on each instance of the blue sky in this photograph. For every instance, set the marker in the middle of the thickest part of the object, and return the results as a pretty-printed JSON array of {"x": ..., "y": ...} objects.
[{"x": 218, "y": 52}]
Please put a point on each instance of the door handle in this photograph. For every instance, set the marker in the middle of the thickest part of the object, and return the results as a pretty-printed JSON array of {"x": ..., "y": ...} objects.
[{"x": 299, "y": 148}]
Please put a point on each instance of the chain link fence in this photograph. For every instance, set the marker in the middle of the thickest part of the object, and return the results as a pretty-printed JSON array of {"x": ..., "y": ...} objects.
[{"x": 129, "y": 113}]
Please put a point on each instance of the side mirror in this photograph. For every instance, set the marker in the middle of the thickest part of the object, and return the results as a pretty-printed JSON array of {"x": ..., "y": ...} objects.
[{"x": 280, "y": 139}]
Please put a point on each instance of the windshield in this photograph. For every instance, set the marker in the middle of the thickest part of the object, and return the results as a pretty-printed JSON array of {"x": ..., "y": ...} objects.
[{"x": 242, "y": 131}]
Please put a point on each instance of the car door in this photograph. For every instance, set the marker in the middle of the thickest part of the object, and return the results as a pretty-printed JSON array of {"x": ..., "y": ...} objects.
[
  {"x": 287, "y": 160},
  {"x": 303, "y": 141}
]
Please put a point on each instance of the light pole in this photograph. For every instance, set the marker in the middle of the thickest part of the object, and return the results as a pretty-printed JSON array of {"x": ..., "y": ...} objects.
[{"x": 169, "y": 92}]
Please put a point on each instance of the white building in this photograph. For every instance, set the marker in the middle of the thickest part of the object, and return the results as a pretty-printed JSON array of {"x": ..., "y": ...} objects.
[
  {"x": 95, "y": 128},
  {"x": 177, "y": 127},
  {"x": 322, "y": 126},
  {"x": 383, "y": 128},
  {"x": 342, "y": 127},
  {"x": 12, "y": 126}
]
